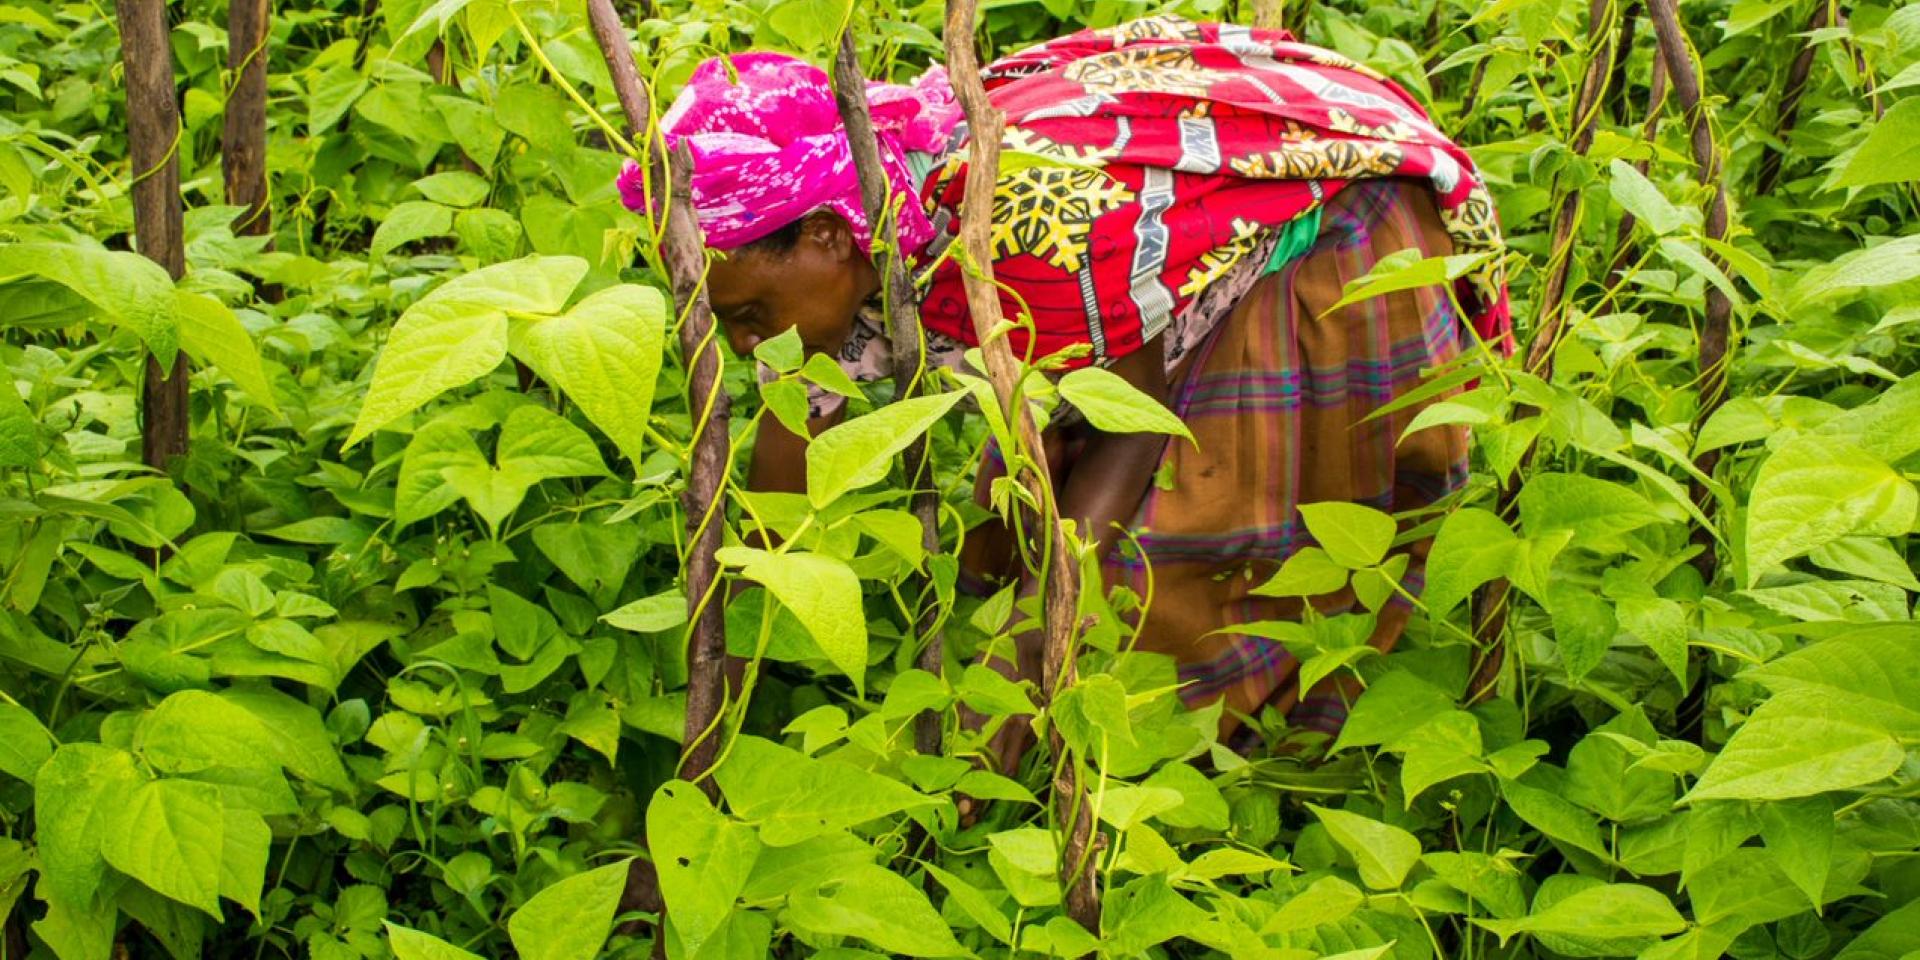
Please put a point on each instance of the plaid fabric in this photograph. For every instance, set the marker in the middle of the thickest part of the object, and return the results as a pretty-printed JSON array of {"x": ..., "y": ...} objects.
[
  {"x": 1277, "y": 398},
  {"x": 1277, "y": 401}
]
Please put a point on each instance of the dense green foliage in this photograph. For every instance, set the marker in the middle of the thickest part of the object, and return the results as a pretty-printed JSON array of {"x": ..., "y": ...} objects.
[{"x": 395, "y": 660}]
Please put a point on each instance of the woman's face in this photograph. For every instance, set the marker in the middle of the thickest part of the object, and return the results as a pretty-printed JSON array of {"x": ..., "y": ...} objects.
[{"x": 815, "y": 287}]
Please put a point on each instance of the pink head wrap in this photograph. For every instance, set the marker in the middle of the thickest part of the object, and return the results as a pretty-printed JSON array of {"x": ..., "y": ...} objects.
[{"x": 770, "y": 149}]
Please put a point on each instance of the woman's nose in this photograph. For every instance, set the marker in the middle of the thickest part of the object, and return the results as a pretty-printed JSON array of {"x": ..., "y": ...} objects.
[{"x": 742, "y": 342}]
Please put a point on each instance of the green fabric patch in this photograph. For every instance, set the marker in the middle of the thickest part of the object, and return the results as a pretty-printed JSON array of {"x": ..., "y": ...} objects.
[
  {"x": 1296, "y": 238},
  {"x": 919, "y": 165}
]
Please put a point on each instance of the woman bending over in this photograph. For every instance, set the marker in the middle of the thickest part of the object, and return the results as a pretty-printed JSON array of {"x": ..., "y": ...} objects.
[{"x": 1213, "y": 192}]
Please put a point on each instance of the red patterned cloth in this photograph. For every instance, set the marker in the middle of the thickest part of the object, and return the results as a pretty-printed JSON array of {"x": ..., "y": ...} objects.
[{"x": 1142, "y": 162}]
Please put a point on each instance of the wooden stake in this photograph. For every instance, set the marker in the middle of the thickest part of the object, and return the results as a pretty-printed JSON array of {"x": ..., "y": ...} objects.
[
  {"x": 437, "y": 63},
  {"x": 1606, "y": 39},
  {"x": 632, "y": 93},
  {"x": 683, "y": 253},
  {"x": 1432, "y": 36},
  {"x": 903, "y": 329},
  {"x": 243, "y": 134},
  {"x": 1062, "y": 591},
  {"x": 1623, "y": 52},
  {"x": 1867, "y": 82},
  {"x": 1623, "y": 253},
  {"x": 153, "y": 129},
  {"x": 1474, "y": 83},
  {"x": 1771, "y": 159},
  {"x": 1716, "y": 332},
  {"x": 1603, "y": 39},
  {"x": 13, "y": 935}
]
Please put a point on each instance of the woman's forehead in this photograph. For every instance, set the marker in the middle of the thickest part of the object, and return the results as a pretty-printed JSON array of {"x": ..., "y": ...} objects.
[{"x": 735, "y": 278}]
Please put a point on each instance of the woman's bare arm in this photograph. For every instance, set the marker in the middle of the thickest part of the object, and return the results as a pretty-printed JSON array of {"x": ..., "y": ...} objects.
[
  {"x": 779, "y": 463},
  {"x": 1101, "y": 494},
  {"x": 1103, "y": 490}
]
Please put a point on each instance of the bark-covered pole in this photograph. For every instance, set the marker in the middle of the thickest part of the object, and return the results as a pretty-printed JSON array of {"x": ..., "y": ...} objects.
[
  {"x": 243, "y": 134},
  {"x": 1430, "y": 39},
  {"x": 632, "y": 94},
  {"x": 1716, "y": 332},
  {"x": 903, "y": 329},
  {"x": 153, "y": 129},
  {"x": 1874, "y": 98},
  {"x": 1603, "y": 42},
  {"x": 1062, "y": 592},
  {"x": 1474, "y": 85},
  {"x": 1773, "y": 157},
  {"x": 1623, "y": 241},
  {"x": 437, "y": 63},
  {"x": 683, "y": 253},
  {"x": 1623, "y": 52}
]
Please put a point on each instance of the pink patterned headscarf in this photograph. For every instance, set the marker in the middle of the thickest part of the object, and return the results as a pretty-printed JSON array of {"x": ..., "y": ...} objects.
[{"x": 769, "y": 149}]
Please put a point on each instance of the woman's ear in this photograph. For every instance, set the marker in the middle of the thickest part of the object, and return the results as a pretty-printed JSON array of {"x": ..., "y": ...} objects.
[{"x": 831, "y": 232}]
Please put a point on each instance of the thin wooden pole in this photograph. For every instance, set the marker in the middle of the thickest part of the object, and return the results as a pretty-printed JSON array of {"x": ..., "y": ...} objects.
[
  {"x": 1717, "y": 331},
  {"x": 1606, "y": 39},
  {"x": 1603, "y": 40},
  {"x": 1867, "y": 81},
  {"x": 1474, "y": 84},
  {"x": 13, "y": 936},
  {"x": 1062, "y": 591},
  {"x": 153, "y": 129},
  {"x": 683, "y": 253},
  {"x": 1431, "y": 41},
  {"x": 243, "y": 135},
  {"x": 1623, "y": 52},
  {"x": 903, "y": 329},
  {"x": 1623, "y": 252},
  {"x": 632, "y": 94},
  {"x": 437, "y": 63},
  {"x": 1773, "y": 158}
]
